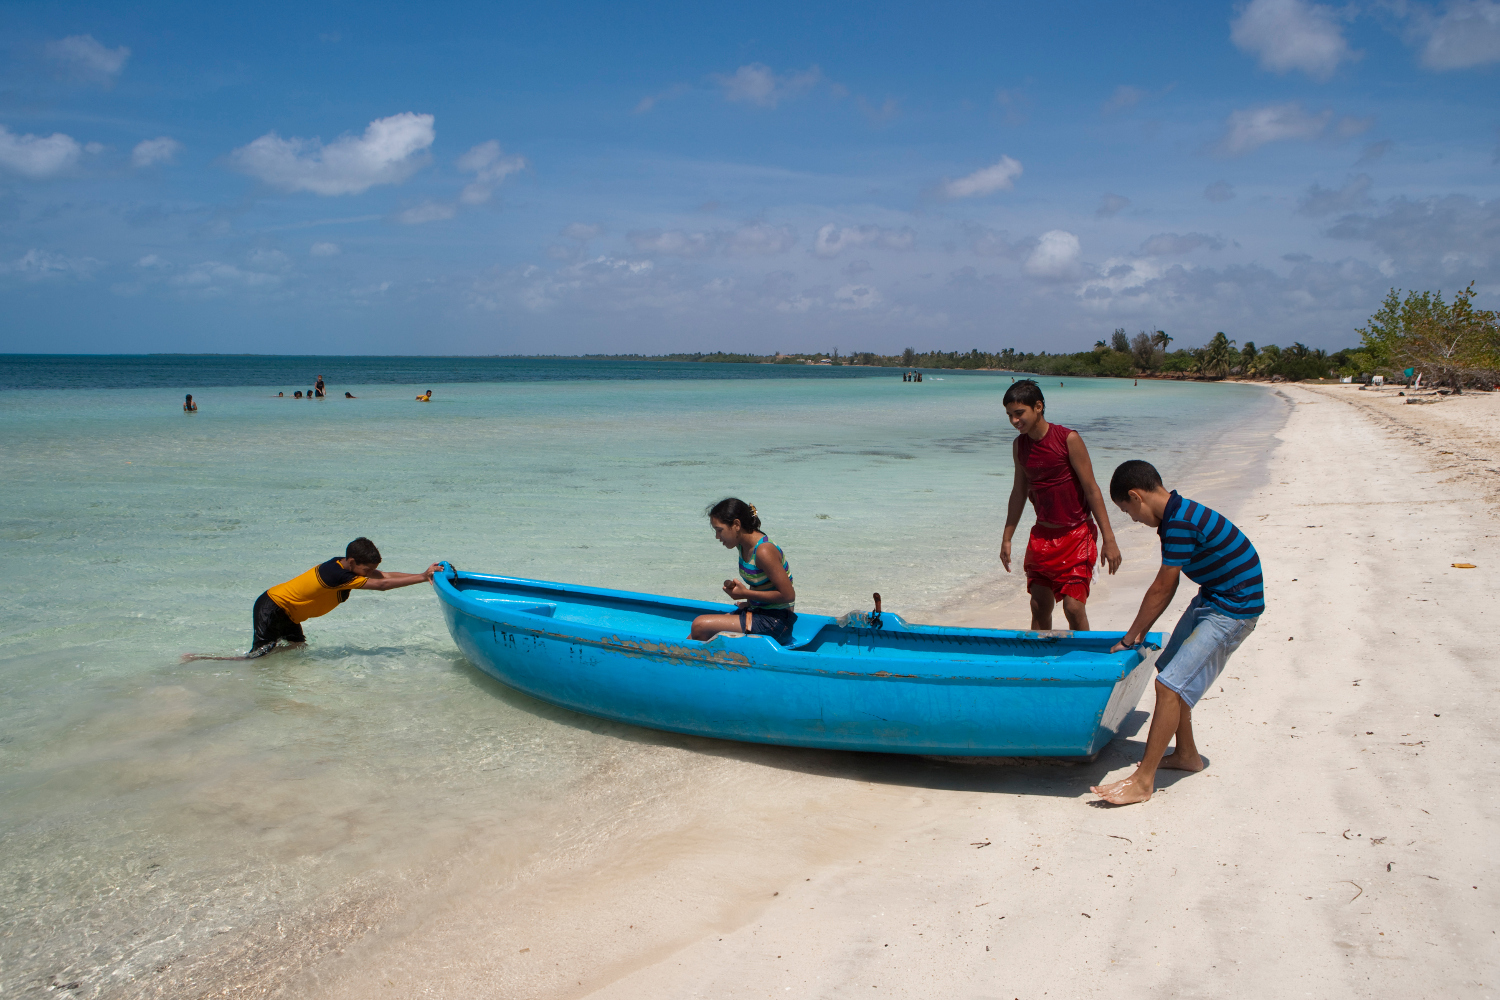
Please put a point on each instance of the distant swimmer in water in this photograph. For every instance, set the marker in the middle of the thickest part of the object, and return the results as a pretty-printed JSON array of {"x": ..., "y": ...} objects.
[
  {"x": 350, "y": 395},
  {"x": 188, "y": 406},
  {"x": 279, "y": 612},
  {"x": 426, "y": 397},
  {"x": 297, "y": 394},
  {"x": 280, "y": 394},
  {"x": 318, "y": 386},
  {"x": 766, "y": 596}
]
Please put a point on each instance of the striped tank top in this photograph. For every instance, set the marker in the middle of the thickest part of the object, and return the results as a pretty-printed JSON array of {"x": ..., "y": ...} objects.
[{"x": 756, "y": 580}]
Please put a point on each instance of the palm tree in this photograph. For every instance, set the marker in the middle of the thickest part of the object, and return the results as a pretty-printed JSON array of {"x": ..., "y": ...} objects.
[
  {"x": 1218, "y": 355},
  {"x": 1161, "y": 339}
]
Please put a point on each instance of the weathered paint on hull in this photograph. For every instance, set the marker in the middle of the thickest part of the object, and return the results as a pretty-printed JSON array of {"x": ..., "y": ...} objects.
[{"x": 896, "y": 689}]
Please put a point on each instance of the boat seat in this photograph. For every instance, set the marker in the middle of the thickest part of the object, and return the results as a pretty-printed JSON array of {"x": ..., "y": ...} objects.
[
  {"x": 805, "y": 629},
  {"x": 541, "y": 608}
]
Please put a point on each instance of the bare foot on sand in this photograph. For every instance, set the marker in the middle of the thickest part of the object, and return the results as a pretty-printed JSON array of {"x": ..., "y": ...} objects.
[
  {"x": 1182, "y": 762},
  {"x": 1123, "y": 792}
]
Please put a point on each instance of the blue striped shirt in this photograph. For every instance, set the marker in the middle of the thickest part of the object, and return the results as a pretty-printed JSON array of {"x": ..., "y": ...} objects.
[{"x": 1213, "y": 554}]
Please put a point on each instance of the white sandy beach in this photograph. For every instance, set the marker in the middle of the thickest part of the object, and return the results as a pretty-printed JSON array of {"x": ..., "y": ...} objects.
[{"x": 1341, "y": 842}]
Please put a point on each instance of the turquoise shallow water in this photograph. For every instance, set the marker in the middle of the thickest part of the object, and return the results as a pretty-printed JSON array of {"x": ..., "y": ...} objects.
[{"x": 152, "y": 813}]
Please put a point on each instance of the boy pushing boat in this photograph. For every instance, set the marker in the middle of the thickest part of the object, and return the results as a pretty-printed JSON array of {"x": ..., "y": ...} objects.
[
  {"x": 1204, "y": 546},
  {"x": 1053, "y": 470},
  {"x": 279, "y": 612}
]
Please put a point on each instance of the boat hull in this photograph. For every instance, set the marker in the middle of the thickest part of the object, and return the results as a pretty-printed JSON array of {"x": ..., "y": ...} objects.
[{"x": 898, "y": 688}]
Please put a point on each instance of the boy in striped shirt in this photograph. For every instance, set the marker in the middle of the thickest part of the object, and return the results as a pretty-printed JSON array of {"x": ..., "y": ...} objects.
[{"x": 1202, "y": 545}]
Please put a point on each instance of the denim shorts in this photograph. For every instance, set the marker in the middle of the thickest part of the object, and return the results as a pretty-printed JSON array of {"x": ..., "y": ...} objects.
[{"x": 1199, "y": 648}]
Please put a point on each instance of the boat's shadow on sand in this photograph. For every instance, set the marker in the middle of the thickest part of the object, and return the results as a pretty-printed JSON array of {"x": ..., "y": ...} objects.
[{"x": 1067, "y": 778}]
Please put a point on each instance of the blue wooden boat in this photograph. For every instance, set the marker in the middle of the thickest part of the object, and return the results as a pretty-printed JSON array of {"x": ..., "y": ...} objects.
[{"x": 860, "y": 682}]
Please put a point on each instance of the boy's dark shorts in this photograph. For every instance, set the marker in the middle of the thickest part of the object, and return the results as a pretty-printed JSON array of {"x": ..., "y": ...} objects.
[
  {"x": 272, "y": 625},
  {"x": 774, "y": 622}
]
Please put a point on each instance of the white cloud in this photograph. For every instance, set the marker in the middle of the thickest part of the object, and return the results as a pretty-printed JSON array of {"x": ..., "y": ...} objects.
[
  {"x": 752, "y": 239},
  {"x": 390, "y": 151},
  {"x": 760, "y": 239},
  {"x": 1467, "y": 34},
  {"x": 263, "y": 271},
  {"x": 856, "y": 297},
  {"x": 986, "y": 242},
  {"x": 85, "y": 59},
  {"x": 1292, "y": 34},
  {"x": 1452, "y": 237},
  {"x": 652, "y": 100},
  {"x": 1172, "y": 244},
  {"x": 159, "y": 150},
  {"x": 427, "y": 211},
  {"x": 37, "y": 156},
  {"x": 999, "y": 177},
  {"x": 152, "y": 261},
  {"x": 672, "y": 242},
  {"x": 1251, "y": 128},
  {"x": 490, "y": 166},
  {"x": 1125, "y": 96},
  {"x": 1353, "y": 196},
  {"x": 1055, "y": 256},
  {"x": 582, "y": 232},
  {"x": 325, "y": 250},
  {"x": 43, "y": 265},
  {"x": 756, "y": 84},
  {"x": 1111, "y": 205},
  {"x": 833, "y": 240},
  {"x": 1219, "y": 191}
]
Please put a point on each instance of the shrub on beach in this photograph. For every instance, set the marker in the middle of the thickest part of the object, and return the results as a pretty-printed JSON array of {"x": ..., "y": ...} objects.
[{"x": 1450, "y": 343}]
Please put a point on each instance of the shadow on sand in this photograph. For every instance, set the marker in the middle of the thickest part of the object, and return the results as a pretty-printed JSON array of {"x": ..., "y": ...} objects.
[{"x": 1053, "y": 776}]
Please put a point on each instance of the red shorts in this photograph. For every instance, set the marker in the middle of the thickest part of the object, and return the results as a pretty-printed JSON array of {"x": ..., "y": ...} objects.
[{"x": 1063, "y": 559}]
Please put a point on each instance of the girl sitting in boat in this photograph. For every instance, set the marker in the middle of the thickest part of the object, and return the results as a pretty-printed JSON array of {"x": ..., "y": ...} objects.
[{"x": 766, "y": 597}]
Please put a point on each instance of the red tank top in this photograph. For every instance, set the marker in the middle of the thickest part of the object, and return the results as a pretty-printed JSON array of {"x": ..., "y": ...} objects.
[{"x": 1056, "y": 494}]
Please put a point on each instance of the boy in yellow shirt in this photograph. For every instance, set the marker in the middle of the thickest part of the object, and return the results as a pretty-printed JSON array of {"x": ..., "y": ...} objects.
[{"x": 280, "y": 611}]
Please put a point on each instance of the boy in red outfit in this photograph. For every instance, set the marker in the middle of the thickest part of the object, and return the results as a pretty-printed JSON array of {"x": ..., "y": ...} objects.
[{"x": 1054, "y": 471}]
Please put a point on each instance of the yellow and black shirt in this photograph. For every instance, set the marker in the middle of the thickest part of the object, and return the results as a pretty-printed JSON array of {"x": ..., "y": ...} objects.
[{"x": 316, "y": 592}]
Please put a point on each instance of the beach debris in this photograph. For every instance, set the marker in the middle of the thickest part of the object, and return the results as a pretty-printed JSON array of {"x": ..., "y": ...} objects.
[
  {"x": 1356, "y": 885},
  {"x": 1118, "y": 837},
  {"x": 1086, "y": 915},
  {"x": 1346, "y": 834},
  {"x": 979, "y": 843},
  {"x": 1388, "y": 865},
  {"x": 1464, "y": 566},
  {"x": 1377, "y": 840}
]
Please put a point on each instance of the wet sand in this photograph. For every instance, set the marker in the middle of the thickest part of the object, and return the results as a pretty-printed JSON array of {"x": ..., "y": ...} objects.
[{"x": 1340, "y": 842}]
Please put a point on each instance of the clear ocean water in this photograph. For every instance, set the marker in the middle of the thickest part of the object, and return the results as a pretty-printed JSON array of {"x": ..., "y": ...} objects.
[{"x": 154, "y": 814}]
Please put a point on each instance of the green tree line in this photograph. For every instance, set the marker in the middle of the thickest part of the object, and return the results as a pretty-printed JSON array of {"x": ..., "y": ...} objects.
[{"x": 1450, "y": 343}]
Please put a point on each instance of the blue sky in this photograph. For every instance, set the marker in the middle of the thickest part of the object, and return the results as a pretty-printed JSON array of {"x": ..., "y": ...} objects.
[{"x": 456, "y": 178}]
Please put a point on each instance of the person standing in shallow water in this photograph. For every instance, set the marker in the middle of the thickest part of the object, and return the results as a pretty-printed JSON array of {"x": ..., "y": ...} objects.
[
  {"x": 278, "y": 613},
  {"x": 188, "y": 406},
  {"x": 766, "y": 596},
  {"x": 1053, "y": 469}
]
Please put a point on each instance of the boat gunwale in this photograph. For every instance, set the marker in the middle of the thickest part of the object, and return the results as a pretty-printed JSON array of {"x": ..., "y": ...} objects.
[{"x": 777, "y": 658}]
